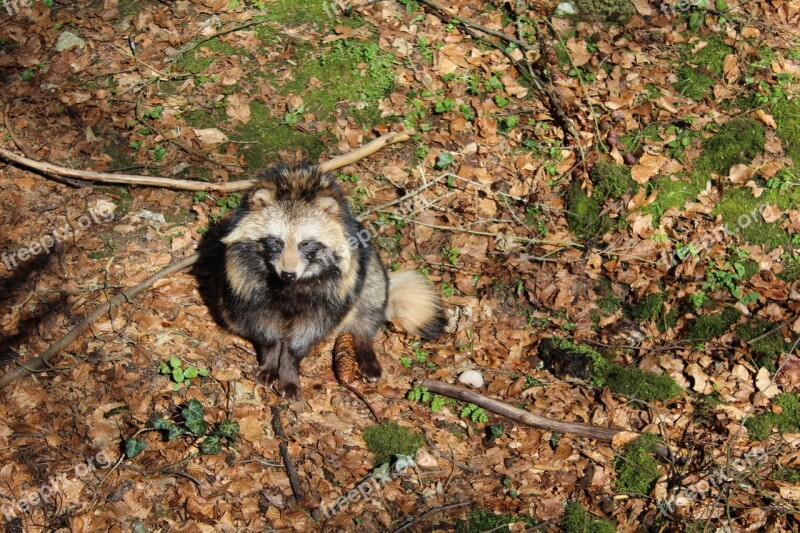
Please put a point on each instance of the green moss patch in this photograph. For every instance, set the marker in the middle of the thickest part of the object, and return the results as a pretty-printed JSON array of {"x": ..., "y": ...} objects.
[
  {"x": 627, "y": 381},
  {"x": 674, "y": 191},
  {"x": 610, "y": 181},
  {"x": 710, "y": 326},
  {"x": 637, "y": 467},
  {"x": 614, "y": 11},
  {"x": 786, "y": 421},
  {"x": 700, "y": 71},
  {"x": 482, "y": 520},
  {"x": 579, "y": 520},
  {"x": 388, "y": 440},
  {"x": 787, "y": 116},
  {"x": 351, "y": 73},
  {"x": 740, "y": 211},
  {"x": 790, "y": 273},
  {"x": 648, "y": 308},
  {"x": 608, "y": 302},
  {"x": 737, "y": 141},
  {"x": 771, "y": 345}
]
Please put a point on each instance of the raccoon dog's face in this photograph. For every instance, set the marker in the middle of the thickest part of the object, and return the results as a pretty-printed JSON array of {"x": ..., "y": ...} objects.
[{"x": 291, "y": 227}]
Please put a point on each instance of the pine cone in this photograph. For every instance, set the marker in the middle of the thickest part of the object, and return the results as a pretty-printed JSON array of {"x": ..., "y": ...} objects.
[{"x": 345, "y": 365}]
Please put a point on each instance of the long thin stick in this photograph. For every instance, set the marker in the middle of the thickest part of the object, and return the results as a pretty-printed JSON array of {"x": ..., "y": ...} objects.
[
  {"x": 522, "y": 416},
  {"x": 190, "y": 185},
  {"x": 277, "y": 427}
]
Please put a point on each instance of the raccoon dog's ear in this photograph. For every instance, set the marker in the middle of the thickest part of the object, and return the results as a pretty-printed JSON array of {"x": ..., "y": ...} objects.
[
  {"x": 328, "y": 202},
  {"x": 263, "y": 196}
]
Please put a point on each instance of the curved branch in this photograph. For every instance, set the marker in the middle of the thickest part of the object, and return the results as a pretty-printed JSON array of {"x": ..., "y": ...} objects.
[
  {"x": 190, "y": 185},
  {"x": 602, "y": 434}
]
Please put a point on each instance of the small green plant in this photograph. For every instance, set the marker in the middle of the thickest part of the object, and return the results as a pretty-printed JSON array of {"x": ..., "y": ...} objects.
[
  {"x": 295, "y": 116},
  {"x": 135, "y": 145},
  {"x": 508, "y": 123},
  {"x": 444, "y": 105},
  {"x": 448, "y": 290},
  {"x": 191, "y": 424},
  {"x": 179, "y": 374},
  {"x": 226, "y": 204},
  {"x": 154, "y": 113},
  {"x": 443, "y": 160},
  {"x": 451, "y": 255},
  {"x": 782, "y": 181},
  {"x": 159, "y": 152},
  {"x": 474, "y": 413},
  {"x": 425, "y": 49}
]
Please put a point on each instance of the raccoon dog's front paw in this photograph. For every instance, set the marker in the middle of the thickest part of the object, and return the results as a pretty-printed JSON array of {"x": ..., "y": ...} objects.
[
  {"x": 266, "y": 376},
  {"x": 290, "y": 391},
  {"x": 370, "y": 369}
]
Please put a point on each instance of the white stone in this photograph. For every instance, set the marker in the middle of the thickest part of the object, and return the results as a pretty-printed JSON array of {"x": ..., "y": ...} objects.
[
  {"x": 472, "y": 378},
  {"x": 68, "y": 40}
]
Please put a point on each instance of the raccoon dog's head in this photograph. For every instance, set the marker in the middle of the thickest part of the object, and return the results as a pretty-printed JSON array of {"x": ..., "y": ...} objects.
[{"x": 292, "y": 225}]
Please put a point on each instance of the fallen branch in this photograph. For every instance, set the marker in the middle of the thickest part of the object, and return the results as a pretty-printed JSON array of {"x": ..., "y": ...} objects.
[
  {"x": 522, "y": 416},
  {"x": 190, "y": 185},
  {"x": 37, "y": 363},
  {"x": 294, "y": 481}
]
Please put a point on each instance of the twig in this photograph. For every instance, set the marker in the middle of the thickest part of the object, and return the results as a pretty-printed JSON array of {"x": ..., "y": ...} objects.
[
  {"x": 549, "y": 97},
  {"x": 426, "y": 514},
  {"x": 189, "y": 185},
  {"x": 522, "y": 416},
  {"x": 455, "y": 19},
  {"x": 291, "y": 473},
  {"x": 361, "y": 397},
  {"x": 37, "y": 363}
]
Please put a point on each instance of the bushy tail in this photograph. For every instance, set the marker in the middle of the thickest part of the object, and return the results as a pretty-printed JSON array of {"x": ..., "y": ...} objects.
[{"x": 415, "y": 305}]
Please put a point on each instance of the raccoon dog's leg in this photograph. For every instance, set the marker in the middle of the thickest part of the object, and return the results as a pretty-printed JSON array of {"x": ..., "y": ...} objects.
[
  {"x": 289, "y": 371},
  {"x": 269, "y": 353},
  {"x": 367, "y": 316},
  {"x": 365, "y": 356}
]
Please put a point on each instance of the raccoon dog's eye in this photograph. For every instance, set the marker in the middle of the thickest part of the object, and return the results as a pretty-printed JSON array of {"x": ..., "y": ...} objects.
[
  {"x": 304, "y": 245},
  {"x": 273, "y": 242}
]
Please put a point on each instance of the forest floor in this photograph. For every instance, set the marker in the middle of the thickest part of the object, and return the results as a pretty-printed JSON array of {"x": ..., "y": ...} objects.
[{"x": 658, "y": 253}]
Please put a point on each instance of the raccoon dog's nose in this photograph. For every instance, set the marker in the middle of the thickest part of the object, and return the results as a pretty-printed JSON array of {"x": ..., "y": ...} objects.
[{"x": 288, "y": 276}]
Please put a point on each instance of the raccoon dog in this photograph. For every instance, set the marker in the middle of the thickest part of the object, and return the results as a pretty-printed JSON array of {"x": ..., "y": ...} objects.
[{"x": 298, "y": 267}]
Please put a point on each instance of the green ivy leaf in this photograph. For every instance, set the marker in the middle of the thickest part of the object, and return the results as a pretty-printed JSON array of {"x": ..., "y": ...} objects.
[
  {"x": 174, "y": 432},
  {"x": 203, "y": 372},
  {"x": 134, "y": 447},
  {"x": 211, "y": 445},
  {"x": 162, "y": 423},
  {"x": 174, "y": 362},
  {"x": 191, "y": 372},
  {"x": 193, "y": 411},
  {"x": 229, "y": 429},
  {"x": 177, "y": 375}
]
